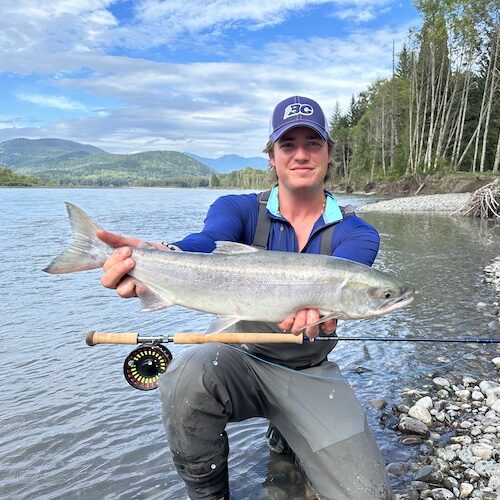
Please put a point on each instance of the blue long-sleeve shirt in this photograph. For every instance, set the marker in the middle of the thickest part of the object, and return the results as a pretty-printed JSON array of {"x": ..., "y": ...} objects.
[{"x": 234, "y": 218}]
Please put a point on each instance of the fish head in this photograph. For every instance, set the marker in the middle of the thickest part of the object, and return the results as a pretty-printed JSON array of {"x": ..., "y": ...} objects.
[{"x": 374, "y": 294}]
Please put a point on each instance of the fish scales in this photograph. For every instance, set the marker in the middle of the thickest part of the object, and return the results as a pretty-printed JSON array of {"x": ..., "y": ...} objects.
[{"x": 239, "y": 282}]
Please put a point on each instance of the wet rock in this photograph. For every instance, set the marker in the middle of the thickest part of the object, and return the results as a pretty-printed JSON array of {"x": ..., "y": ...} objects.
[
  {"x": 397, "y": 468},
  {"x": 443, "y": 393},
  {"x": 446, "y": 454},
  {"x": 409, "y": 440},
  {"x": 389, "y": 420},
  {"x": 428, "y": 474},
  {"x": 440, "y": 382},
  {"x": 425, "y": 402},
  {"x": 379, "y": 404},
  {"x": 442, "y": 494},
  {"x": 471, "y": 475},
  {"x": 410, "y": 425},
  {"x": 469, "y": 381},
  {"x": 420, "y": 413},
  {"x": 451, "y": 483}
]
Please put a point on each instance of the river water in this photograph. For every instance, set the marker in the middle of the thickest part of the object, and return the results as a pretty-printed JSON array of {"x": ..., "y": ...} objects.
[{"x": 71, "y": 425}]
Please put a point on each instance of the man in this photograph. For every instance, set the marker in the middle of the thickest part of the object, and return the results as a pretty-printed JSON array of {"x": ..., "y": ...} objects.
[{"x": 294, "y": 386}]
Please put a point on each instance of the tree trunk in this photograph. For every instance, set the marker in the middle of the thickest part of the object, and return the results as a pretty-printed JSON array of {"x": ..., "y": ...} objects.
[{"x": 493, "y": 65}]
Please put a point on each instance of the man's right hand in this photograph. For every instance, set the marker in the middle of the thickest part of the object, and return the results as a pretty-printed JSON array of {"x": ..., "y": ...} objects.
[{"x": 120, "y": 263}]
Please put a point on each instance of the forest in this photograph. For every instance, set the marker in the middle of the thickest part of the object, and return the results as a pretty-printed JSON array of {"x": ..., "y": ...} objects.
[{"x": 440, "y": 109}]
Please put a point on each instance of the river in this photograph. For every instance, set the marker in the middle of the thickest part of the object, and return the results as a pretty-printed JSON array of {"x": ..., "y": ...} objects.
[{"x": 71, "y": 425}]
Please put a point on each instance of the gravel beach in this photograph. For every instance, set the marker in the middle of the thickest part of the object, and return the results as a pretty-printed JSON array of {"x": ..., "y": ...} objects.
[
  {"x": 425, "y": 203},
  {"x": 456, "y": 420}
]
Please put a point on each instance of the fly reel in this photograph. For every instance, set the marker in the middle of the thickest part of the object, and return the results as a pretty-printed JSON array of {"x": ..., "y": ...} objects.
[{"x": 143, "y": 366}]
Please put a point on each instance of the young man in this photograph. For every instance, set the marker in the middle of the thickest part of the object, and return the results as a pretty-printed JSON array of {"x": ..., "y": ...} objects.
[{"x": 311, "y": 405}]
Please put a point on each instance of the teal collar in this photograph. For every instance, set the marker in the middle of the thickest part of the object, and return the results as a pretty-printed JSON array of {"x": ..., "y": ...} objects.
[{"x": 331, "y": 213}]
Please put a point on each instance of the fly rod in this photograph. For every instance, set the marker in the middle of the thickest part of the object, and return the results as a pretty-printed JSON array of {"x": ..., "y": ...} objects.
[
  {"x": 144, "y": 365},
  {"x": 94, "y": 338}
]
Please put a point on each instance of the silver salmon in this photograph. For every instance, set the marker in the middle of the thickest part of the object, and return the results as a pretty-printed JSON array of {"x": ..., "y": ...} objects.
[{"x": 238, "y": 282}]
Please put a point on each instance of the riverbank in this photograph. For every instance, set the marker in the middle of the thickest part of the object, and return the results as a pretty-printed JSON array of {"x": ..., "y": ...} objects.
[
  {"x": 426, "y": 203},
  {"x": 420, "y": 184},
  {"x": 455, "y": 420}
]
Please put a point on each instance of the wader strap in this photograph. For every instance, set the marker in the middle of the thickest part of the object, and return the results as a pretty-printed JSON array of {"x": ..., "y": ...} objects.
[
  {"x": 326, "y": 240},
  {"x": 261, "y": 236},
  {"x": 263, "y": 228}
]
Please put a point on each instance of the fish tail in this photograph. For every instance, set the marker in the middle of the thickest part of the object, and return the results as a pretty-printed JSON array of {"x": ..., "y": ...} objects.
[{"x": 87, "y": 251}]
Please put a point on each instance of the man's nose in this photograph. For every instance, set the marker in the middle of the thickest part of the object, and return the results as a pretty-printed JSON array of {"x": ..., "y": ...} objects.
[{"x": 301, "y": 153}]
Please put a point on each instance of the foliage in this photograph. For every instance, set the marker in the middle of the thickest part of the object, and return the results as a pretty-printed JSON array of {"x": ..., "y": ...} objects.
[
  {"x": 247, "y": 178},
  {"x": 9, "y": 178},
  {"x": 439, "y": 111}
]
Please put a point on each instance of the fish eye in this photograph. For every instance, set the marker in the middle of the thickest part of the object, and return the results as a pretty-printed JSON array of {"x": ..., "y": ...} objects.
[{"x": 387, "y": 294}]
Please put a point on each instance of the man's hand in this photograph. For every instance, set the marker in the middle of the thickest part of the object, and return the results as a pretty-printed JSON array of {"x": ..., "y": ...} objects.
[
  {"x": 296, "y": 323},
  {"x": 119, "y": 264}
]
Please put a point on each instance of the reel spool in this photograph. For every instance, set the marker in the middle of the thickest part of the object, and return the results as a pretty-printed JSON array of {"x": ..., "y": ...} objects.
[{"x": 143, "y": 366}]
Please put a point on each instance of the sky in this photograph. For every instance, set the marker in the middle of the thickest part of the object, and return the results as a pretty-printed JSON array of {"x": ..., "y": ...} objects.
[{"x": 198, "y": 76}]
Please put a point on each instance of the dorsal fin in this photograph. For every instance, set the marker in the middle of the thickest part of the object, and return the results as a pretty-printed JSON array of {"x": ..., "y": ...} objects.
[{"x": 232, "y": 248}]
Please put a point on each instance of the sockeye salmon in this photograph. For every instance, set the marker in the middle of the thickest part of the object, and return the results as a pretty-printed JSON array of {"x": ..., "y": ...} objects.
[{"x": 238, "y": 282}]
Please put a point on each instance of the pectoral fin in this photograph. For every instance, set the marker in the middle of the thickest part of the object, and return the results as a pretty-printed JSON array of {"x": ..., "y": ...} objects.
[
  {"x": 151, "y": 300},
  {"x": 322, "y": 319}
]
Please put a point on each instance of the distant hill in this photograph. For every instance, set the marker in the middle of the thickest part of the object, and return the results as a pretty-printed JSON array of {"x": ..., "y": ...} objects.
[
  {"x": 29, "y": 151},
  {"x": 230, "y": 163},
  {"x": 71, "y": 163}
]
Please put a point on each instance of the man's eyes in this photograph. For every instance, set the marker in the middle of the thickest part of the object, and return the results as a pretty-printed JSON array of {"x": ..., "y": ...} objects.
[{"x": 310, "y": 144}]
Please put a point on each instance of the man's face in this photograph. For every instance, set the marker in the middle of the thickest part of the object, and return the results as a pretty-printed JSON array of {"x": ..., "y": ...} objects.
[{"x": 300, "y": 157}]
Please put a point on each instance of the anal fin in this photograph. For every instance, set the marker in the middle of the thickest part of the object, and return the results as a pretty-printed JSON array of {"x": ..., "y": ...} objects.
[{"x": 222, "y": 323}]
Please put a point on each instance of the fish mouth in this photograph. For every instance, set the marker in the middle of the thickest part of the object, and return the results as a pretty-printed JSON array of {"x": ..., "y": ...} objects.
[{"x": 405, "y": 299}]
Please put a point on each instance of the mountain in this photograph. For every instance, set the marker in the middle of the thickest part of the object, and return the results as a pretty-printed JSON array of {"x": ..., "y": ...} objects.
[
  {"x": 72, "y": 163},
  {"x": 230, "y": 163},
  {"x": 30, "y": 151}
]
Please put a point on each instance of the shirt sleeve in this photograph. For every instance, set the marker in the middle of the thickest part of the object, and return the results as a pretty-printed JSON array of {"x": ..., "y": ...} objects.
[
  {"x": 356, "y": 240},
  {"x": 225, "y": 221}
]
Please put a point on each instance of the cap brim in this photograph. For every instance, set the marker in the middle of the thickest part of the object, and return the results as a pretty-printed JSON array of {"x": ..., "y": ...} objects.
[{"x": 302, "y": 123}]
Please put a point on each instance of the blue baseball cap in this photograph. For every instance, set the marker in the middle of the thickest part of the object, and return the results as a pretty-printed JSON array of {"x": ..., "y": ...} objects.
[{"x": 294, "y": 112}]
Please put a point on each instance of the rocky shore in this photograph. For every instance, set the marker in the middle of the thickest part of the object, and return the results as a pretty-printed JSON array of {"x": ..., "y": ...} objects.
[
  {"x": 456, "y": 422},
  {"x": 425, "y": 203}
]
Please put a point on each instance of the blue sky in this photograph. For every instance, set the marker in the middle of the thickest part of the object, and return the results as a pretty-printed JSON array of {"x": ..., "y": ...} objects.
[{"x": 187, "y": 75}]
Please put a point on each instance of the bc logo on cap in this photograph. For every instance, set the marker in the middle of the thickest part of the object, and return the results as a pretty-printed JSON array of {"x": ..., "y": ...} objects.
[{"x": 298, "y": 109}]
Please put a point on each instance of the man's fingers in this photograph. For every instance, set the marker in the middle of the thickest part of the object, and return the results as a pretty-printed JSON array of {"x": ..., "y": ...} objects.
[
  {"x": 287, "y": 323},
  {"x": 299, "y": 321},
  {"x": 117, "y": 240},
  {"x": 115, "y": 273},
  {"x": 311, "y": 317},
  {"x": 118, "y": 256},
  {"x": 329, "y": 326},
  {"x": 126, "y": 288}
]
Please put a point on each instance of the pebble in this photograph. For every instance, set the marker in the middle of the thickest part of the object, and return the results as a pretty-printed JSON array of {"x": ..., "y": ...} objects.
[
  {"x": 410, "y": 425},
  {"x": 455, "y": 422},
  {"x": 440, "y": 382},
  {"x": 420, "y": 413},
  {"x": 465, "y": 490}
]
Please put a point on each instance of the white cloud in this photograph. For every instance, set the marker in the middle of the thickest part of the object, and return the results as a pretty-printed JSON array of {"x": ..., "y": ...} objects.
[
  {"x": 202, "y": 107},
  {"x": 50, "y": 101}
]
